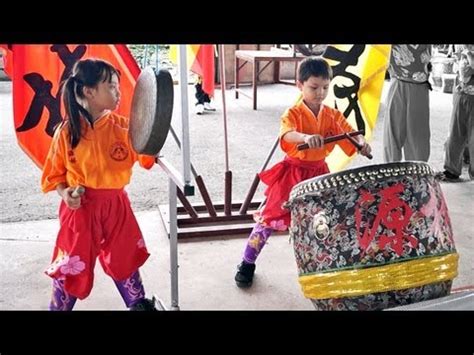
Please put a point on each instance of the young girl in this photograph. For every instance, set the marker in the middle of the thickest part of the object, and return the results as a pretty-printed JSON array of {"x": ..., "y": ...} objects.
[
  {"x": 91, "y": 148},
  {"x": 309, "y": 121}
]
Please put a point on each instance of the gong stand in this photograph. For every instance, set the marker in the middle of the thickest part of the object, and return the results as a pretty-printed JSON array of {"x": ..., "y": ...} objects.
[
  {"x": 210, "y": 219},
  {"x": 150, "y": 122}
]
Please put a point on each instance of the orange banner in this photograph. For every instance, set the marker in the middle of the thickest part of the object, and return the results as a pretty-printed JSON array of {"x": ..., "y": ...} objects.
[
  {"x": 200, "y": 60},
  {"x": 37, "y": 71}
]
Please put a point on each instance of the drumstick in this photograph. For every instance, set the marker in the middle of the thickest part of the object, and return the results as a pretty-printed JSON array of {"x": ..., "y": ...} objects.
[
  {"x": 78, "y": 191},
  {"x": 333, "y": 139}
]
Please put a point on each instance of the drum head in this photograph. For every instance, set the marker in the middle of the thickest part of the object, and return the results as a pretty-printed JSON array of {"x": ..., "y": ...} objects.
[{"x": 151, "y": 111}]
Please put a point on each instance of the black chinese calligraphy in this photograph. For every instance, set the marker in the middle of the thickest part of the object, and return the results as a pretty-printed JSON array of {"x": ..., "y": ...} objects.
[
  {"x": 346, "y": 59},
  {"x": 43, "y": 98}
]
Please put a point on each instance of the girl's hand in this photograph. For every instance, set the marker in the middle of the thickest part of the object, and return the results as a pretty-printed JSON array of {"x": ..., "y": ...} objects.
[
  {"x": 72, "y": 202},
  {"x": 314, "y": 141}
]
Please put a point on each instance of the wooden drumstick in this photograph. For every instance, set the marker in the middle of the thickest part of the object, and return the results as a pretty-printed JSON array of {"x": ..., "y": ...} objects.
[
  {"x": 332, "y": 139},
  {"x": 78, "y": 191}
]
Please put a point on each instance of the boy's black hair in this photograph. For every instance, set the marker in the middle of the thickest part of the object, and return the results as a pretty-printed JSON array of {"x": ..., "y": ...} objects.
[{"x": 314, "y": 66}]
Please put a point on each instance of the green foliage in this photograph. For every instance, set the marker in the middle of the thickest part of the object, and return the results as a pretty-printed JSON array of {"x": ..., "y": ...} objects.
[{"x": 146, "y": 54}]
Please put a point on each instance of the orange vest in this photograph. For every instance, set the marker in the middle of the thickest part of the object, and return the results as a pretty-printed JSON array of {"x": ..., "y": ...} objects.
[
  {"x": 329, "y": 122},
  {"x": 103, "y": 159}
]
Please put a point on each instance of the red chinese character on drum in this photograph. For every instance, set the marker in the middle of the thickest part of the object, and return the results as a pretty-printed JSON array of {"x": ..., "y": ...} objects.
[{"x": 393, "y": 213}]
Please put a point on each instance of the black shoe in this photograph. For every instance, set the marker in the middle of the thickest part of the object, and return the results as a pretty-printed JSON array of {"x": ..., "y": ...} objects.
[
  {"x": 244, "y": 276},
  {"x": 144, "y": 305},
  {"x": 447, "y": 176}
]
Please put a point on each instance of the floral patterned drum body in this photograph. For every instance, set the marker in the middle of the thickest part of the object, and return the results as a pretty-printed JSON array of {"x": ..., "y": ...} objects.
[{"x": 372, "y": 237}]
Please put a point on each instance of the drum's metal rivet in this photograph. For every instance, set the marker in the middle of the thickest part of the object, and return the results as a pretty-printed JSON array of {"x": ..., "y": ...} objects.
[
  {"x": 379, "y": 176},
  {"x": 387, "y": 175},
  {"x": 338, "y": 178},
  {"x": 333, "y": 178},
  {"x": 334, "y": 184},
  {"x": 349, "y": 181},
  {"x": 345, "y": 177},
  {"x": 395, "y": 174},
  {"x": 372, "y": 178},
  {"x": 352, "y": 175},
  {"x": 382, "y": 170},
  {"x": 361, "y": 173},
  {"x": 356, "y": 180},
  {"x": 341, "y": 183}
]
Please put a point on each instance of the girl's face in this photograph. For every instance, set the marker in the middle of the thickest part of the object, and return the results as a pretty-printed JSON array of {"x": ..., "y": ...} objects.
[
  {"x": 106, "y": 95},
  {"x": 314, "y": 90}
]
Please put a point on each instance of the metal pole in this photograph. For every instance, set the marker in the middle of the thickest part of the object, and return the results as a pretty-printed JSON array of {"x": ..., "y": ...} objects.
[
  {"x": 183, "y": 75},
  {"x": 173, "y": 245},
  {"x": 176, "y": 139},
  {"x": 224, "y": 110},
  {"x": 156, "y": 57},
  {"x": 228, "y": 173}
]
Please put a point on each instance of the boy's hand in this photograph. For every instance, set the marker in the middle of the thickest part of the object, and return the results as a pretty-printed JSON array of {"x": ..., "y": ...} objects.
[
  {"x": 366, "y": 149},
  {"x": 314, "y": 141}
]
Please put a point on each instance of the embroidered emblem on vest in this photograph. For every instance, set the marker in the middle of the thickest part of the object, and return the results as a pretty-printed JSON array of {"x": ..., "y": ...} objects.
[{"x": 119, "y": 151}]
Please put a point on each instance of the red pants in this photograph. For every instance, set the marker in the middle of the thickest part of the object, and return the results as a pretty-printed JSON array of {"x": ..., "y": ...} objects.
[
  {"x": 280, "y": 179},
  {"x": 103, "y": 226}
]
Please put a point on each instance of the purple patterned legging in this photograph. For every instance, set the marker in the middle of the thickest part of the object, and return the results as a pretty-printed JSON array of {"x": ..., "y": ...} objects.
[
  {"x": 131, "y": 290},
  {"x": 257, "y": 239}
]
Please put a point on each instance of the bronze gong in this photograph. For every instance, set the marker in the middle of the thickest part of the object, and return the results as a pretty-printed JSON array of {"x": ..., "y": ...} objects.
[{"x": 151, "y": 111}]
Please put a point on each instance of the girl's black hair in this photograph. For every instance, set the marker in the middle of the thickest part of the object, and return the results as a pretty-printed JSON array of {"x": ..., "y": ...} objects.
[
  {"x": 314, "y": 66},
  {"x": 85, "y": 73}
]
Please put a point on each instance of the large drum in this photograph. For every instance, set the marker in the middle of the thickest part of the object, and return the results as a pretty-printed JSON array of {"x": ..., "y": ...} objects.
[{"x": 372, "y": 237}]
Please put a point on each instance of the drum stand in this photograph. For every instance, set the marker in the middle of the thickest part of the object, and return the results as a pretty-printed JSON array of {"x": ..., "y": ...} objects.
[{"x": 208, "y": 219}]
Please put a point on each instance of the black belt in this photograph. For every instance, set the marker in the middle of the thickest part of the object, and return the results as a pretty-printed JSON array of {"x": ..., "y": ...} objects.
[{"x": 417, "y": 83}]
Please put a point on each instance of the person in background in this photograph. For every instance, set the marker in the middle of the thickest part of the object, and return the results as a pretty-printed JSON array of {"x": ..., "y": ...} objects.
[
  {"x": 407, "y": 122},
  {"x": 461, "y": 128}
]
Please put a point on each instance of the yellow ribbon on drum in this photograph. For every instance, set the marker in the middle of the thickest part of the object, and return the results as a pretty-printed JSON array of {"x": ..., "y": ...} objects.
[{"x": 397, "y": 276}]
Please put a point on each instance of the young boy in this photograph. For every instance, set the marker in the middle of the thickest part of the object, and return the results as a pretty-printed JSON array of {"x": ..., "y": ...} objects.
[{"x": 308, "y": 121}]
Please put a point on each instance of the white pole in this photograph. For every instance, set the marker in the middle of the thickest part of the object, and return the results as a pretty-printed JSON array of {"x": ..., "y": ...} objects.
[
  {"x": 183, "y": 83},
  {"x": 173, "y": 246}
]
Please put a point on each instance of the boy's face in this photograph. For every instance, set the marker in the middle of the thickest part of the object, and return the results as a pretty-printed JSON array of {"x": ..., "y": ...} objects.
[{"x": 314, "y": 90}]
